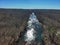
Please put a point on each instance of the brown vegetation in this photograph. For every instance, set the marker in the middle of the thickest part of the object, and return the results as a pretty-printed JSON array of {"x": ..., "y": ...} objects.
[{"x": 13, "y": 21}]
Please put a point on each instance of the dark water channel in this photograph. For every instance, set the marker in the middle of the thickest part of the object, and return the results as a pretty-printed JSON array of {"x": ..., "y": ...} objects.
[{"x": 32, "y": 34}]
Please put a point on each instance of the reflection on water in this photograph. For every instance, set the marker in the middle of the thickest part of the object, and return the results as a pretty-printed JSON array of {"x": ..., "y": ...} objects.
[
  {"x": 34, "y": 30},
  {"x": 32, "y": 33}
]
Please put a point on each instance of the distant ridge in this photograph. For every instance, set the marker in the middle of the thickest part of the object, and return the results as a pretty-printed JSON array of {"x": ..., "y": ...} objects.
[{"x": 30, "y": 9}]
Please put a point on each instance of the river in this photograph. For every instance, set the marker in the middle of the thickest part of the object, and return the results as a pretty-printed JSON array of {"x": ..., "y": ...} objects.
[{"x": 33, "y": 32}]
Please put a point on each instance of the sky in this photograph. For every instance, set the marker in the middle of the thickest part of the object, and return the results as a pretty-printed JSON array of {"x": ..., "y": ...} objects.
[{"x": 30, "y": 4}]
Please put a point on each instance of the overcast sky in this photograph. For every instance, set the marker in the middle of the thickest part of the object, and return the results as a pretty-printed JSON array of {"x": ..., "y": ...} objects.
[{"x": 30, "y": 4}]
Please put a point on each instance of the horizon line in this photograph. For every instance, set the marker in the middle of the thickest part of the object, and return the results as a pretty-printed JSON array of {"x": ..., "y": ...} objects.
[{"x": 30, "y": 8}]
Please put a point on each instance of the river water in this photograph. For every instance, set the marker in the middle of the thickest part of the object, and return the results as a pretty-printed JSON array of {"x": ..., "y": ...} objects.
[{"x": 33, "y": 33}]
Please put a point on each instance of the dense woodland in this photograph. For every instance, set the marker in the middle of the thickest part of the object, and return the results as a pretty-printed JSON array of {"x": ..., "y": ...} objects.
[{"x": 14, "y": 21}]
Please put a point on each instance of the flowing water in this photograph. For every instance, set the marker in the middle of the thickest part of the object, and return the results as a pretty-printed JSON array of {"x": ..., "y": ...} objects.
[{"x": 33, "y": 33}]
